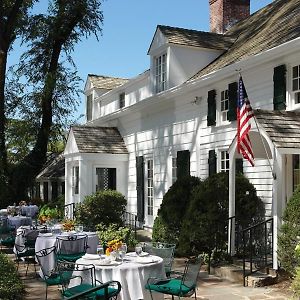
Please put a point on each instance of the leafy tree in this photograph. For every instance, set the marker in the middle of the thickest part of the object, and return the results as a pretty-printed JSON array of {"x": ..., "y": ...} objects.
[
  {"x": 47, "y": 69},
  {"x": 289, "y": 235}
]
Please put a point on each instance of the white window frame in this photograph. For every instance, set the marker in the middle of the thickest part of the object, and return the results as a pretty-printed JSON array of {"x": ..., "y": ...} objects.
[
  {"x": 295, "y": 84},
  {"x": 160, "y": 72},
  {"x": 223, "y": 160},
  {"x": 149, "y": 169},
  {"x": 75, "y": 180},
  {"x": 224, "y": 106}
]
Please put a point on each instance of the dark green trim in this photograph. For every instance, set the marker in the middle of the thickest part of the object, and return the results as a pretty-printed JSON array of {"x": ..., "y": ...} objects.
[
  {"x": 279, "y": 81},
  {"x": 183, "y": 163},
  {"x": 211, "y": 108},
  {"x": 212, "y": 162},
  {"x": 232, "y": 97}
]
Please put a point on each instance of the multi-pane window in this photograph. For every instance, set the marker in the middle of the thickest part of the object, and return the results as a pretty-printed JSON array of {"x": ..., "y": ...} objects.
[
  {"x": 105, "y": 179},
  {"x": 296, "y": 83},
  {"x": 160, "y": 72},
  {"x": 224, "y": 167},
  {"x": 174, "y": 169},
  {"x": 122, "y": 100},
  {"x": 150, "y": 187},
  {"x": 75, "y": 180},
  {"x": 224, "y": 105},
  {"x": 296, "y": 171},
  {"x": 89, "y": 107}
]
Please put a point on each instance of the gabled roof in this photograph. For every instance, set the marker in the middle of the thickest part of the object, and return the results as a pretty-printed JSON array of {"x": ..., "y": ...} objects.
[
  {"x": 99, "y": 140},
  {"x": 105, "y": 82},
  {"x": 283, "y": 127},
  {"x": 54, "y": 167},
  {"x": 194, "y": 38},
  {"x": 271, "y": 26}
]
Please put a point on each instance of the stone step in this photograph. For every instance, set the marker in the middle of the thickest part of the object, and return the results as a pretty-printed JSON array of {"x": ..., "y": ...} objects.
[{"x": 234, "y": 273}]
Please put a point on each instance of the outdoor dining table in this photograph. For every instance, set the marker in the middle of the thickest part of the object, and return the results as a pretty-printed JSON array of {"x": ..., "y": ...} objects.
[
  {"x": 29, "y": 210},
  {"x": 47, "y": 240},
  {"x": 17, "y": 221},
  {"x": 132, "y": 273}
]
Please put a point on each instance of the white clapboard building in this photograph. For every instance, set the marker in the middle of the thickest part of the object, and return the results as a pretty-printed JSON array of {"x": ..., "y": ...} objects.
[{"x": 179, "y": 116}]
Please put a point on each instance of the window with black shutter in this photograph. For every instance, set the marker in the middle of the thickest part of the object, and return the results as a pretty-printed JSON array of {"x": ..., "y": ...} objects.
[
  {"x": 232, "y": 96},
  {"x": 211, "y": 108},
  {"x": 239, "y": 166},
  {"x": 279, "y": 82},
  {"x": 140, "y": 188},
  {"x": 183, "y": 163},
  {"x": 212, "y": 162}
]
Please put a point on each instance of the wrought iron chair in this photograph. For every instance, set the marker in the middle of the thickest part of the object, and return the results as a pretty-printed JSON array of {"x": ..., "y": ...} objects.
[
  {"x": 71, "y": 247},
  {"x": 26, "y": 253},
  {"x": 180, "y": 287},
  {"x": 85, "y": 285},
  {"x": 48, "y": 263},
  {"x": 7, "y": 233},
  {"x": 165, "y": 251}
]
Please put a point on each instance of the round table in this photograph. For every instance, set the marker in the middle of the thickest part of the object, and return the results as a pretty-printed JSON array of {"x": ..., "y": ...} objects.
[
  {"x": 132, "y": 273},
  {"x": 18, "y": 221},
  {"x": 48, "y": 240},
  {"x": 29, "y": 210}
]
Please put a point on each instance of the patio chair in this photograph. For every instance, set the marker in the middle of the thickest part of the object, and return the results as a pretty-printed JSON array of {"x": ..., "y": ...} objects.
[
  {"x": 30, "y": 238},
  {"x": 48, "y": 263},
  {"x": 7, "y": 234},
  {"x": 71, "y": 247},
  {"x": 180, "y": 287},
  {"x": 164, "y": 250},
  {"x": 23, "y": 252},
  {"x": 85, "y": 285}
]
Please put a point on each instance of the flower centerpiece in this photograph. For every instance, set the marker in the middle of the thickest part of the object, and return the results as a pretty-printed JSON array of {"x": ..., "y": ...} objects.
[
  {"x": 113, "y": 248},
  {"x": 68, "y": 224}
]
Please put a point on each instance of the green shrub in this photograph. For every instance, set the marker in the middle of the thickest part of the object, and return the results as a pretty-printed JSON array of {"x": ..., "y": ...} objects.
[
  {"x": 289, "y": 233},
  {"x": 167, "y": 225},
  {"x": 11, "y": 286},
  {"x": 115, "y": 232},
  {"x": 203, "y": 228},
  {"x": 296, "y": 283},
  {"x": 104, "y": 207}
]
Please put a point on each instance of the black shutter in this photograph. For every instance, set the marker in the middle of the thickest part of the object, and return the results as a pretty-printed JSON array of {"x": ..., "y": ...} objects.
[
  {"x": 212, "y": 162},
  {"x": 112, "y": 178},
  {"x": 54, "y": 190},
  {"x": 279, "y": 81},
  {"x": 232, "y": 97},
  {"x": 140, "y": 188},
  {"x": 183, "y": 163},
  {"x": 239, "y": 166},
  {"x": 211, "y": 108}
]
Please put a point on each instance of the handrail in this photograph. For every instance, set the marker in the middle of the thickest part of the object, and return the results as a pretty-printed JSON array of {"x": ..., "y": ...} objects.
[
  {"x": 130, "y": 220},
  {"x": 69, "y": 210},
  {"x": 255, "y": 243}
]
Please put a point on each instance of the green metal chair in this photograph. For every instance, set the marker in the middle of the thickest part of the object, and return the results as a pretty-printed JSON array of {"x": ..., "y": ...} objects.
[
  {"x": 164, "y": 250},
  {"x": 25, "y": 253},
  {"x": 85, "y": 285},
  {"x": 48, "y": 263},
  {"x": 7, "y": 234},
  {"x": 71, "y": 247},
  {"x": 184, "y": 286}
]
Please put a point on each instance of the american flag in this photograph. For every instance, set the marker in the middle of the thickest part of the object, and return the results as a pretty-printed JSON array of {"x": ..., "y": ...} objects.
[{"x": 244, "y": 114}]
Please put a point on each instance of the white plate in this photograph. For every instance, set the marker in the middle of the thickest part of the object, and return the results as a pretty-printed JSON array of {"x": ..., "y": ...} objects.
[
  {"x": 46, "y": 234},
  {"x": 146, "y": 260},
  {"x": 107, "y": 262},
  {"x": 91, "y": 256},
  {"x": 133, "y": 254}
]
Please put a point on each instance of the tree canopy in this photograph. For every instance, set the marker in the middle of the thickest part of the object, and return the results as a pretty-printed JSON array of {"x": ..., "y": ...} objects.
[{"x": 41, "y": 91}]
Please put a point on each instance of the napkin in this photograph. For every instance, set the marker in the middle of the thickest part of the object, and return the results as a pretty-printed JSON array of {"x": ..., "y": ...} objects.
[
  {"x": 146, "y": 260},
  {"x": 90, "y": 256}
]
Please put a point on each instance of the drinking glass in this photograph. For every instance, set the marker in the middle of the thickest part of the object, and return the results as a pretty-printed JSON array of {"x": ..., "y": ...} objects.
[
  {"x": 80, "y": 228},
  {"x": 138, "y": 250},
  {"x": 100, "y": 251},
  {"x": 123, "y": 250}
]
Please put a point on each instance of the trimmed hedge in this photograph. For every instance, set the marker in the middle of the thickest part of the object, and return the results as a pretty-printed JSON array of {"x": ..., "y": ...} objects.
[{"x": 11, "y": 286}]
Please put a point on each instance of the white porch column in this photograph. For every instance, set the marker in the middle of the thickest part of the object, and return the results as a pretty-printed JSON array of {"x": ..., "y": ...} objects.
[
  {"x": 231, "y": 223},
  {"x": 82, "y": 180},
  {"x": 278, "y": 197}
]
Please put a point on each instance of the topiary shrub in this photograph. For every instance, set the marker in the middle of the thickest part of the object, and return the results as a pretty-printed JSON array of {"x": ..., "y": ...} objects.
[
  {"x": 289, "y": 233},
  {"x": 104, "y": 207},
  {"x": 11, "y": 286},
  {"x": 203, "y": 228},
  {"x": 167, "y": 225}
]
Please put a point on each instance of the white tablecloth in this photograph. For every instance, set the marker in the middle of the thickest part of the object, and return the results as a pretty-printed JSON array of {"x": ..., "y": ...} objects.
[
  {"x": 29, "y": 211},
  {"x": 18, "y": 221},
  {"x": 44, "y": 241},
  {"x": 132, "y": 275}
]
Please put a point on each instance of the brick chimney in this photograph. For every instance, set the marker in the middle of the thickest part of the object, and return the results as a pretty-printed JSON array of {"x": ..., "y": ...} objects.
[{"x": 225, "y": 13}]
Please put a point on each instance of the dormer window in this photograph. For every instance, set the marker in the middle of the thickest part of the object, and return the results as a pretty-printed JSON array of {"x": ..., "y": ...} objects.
[
  {"x": 161, "y": 73},
  {"x": 296, "y": 83},
  {"x": 121, "y": 100},
  {"x": 89, "y": 107}
]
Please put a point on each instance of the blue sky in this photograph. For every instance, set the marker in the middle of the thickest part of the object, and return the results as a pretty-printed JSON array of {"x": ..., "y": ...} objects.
[{"x": 128, "y": 28}]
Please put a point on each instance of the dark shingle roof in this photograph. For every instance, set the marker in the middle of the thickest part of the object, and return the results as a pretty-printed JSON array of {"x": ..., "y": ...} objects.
[
  {"x": 105, "y": 82},
  {"x": 99, "y": 140},
  {"x": 194, "y": 38},
  {"x": 283, "y": 127},
  {"x": 54, "y": 167},
  {"x": 269, "y": 27}
]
